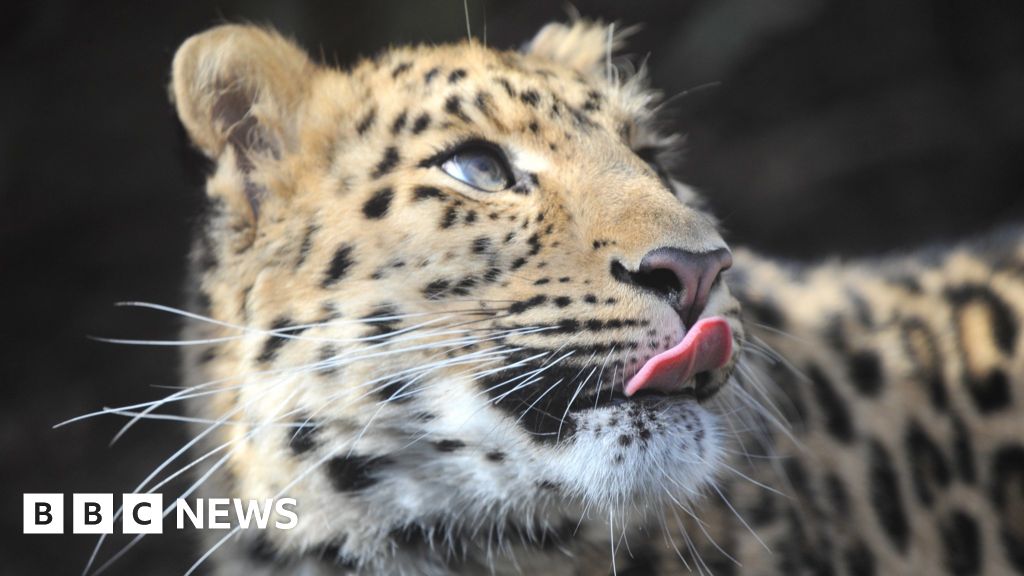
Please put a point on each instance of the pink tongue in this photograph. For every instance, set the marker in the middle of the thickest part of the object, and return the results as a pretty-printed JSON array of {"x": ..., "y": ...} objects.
[{"x": 706, "y": 346}]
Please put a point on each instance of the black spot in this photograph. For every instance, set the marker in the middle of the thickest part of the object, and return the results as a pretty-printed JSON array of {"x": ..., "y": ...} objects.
[
  {"x": 456, "y": 75},
  {"x": 524, "y": 305},
  {"x": 861, "y": 310},
  {"x": 436, "y": 289},
  {"x": 492, "y": 274},
  {"x": 425, "y": 192},
  {"x": 307, "y": 244},
  {"x": 398, "y": 391},
  {"x": 567, "y": 326},
  {"x": 643, "y": 561},
  {"x": 866, "y": 372},
  {"x": 402, "y": 68},
  {"x": 208, "y": 355},
  {"x": 415, "y": 534},
  {"x": 963, "y": 454},
  {"x": 399, "y": 122},
  {"x": 366, "y": 122},
  {"x": 765, "y": 511},
  {"x": 203, "y": 304},
  {"x": 463, "y": 286},
  {"x": 327, "y": 359},
  {"x": 302, "y": 439},
  {"x": 261, "y": 551},
  {"x": 340, "y": 264},
  {"x": 495, "y": 456},
  {"x": 590, "y": 299},
  {"x": 387, "y": 163},
  {"x": 453, "y": 106},
  {"x": 352, "y": 473},
  {"x": 334, "y": 554},
  {"x": 382, "y": 320},
  {"x": 283, "y": 329},
  {"x": 928, "y": 466},
  {"x": 991, "y": 392},
  {"x": 961, "y": 540},
  {"x": 430, "y": 74},
  {"x": 530, "y": 98},
  {"x": 535, "y": 245},
  {"x": 907, "y": 282},
  {"x": 541, "y": 281},
  {"x": 1008, "y": 476},
  {"x": 518, "y": 263},
  {"x": 449, "y": 445},
  {"x": 470, "y": 217},
  {"x": 797, "y": 476},
  {"x": 483, "y": 103},
  {"x": 377, "y": 206},
  {"x": 625, "y": 440},
  {"x": 886, "y": 497},
  {"x": 450, "y": 215},
  {"x": 421, "y": 123},
  {"x": 860, "y": 561},
  {"x": 835, "y": 333},
  {"x": 765, "y": 312},
  {"x": 833, "y": 407},
  {"x": 837, "y": 496},
  {"x": 562, "y": 301},
  {"x": 481, "y": 245},
  {"x": 504, "y": 83}
]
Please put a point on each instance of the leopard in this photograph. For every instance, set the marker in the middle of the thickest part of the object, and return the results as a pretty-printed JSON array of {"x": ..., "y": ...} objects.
[{"x": 452, "y": 301}]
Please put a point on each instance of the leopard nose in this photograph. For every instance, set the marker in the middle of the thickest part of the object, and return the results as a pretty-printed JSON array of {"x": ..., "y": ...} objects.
[{"x": 683, "y": 278}]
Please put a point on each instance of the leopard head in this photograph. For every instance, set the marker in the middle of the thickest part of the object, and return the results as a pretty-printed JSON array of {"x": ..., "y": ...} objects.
[{"x": 451, "y": 284}]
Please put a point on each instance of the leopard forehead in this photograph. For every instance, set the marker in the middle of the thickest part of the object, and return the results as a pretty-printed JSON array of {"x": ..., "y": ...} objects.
[
  {"x": 406, "y": 106},
  {"x": 468, "y": 87}
]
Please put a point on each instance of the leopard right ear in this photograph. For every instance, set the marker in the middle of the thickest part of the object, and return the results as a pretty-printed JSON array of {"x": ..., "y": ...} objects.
[
  {"x": 237, "y": 90},
  {"x": 583, "y": 45}
]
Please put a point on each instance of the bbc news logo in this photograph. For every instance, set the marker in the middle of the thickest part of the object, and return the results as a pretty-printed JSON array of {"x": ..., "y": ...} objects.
[{"x": 143, "y": 513}]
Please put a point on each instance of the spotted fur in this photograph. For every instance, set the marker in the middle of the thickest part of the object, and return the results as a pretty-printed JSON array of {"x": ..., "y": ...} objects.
[{"x": 435, "y": 372}]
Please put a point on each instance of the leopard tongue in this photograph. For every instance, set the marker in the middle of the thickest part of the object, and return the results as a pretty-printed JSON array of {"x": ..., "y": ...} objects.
[{"x": 706, "y": 346}]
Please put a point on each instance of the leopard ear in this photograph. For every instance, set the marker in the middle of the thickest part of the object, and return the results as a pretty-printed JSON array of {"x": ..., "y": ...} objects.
[
  {"x": 236, "y": 90},
  {"x": 583, "y": 45}
]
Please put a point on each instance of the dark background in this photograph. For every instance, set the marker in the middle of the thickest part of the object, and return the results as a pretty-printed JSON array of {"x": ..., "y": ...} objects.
[{"x": 837, "y": 128}]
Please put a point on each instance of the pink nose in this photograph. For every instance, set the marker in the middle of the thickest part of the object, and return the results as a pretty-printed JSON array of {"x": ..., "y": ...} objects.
[{"x": 683, "y": 278}]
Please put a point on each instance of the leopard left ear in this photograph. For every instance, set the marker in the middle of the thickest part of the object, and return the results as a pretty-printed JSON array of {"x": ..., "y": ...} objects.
[
  {"x": 237, "y": 90},
  {"x": 583, "y": 45}
]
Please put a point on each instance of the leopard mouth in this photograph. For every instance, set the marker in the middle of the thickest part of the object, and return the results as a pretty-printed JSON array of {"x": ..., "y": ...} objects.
[
  {"x": 617, "y": 398},
  {"x": 685, "y": 372},
  {"x": 706, "y": 346}
]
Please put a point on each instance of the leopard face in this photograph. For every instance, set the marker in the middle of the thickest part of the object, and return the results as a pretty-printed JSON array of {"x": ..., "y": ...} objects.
[{"x": 434, "y": 276}]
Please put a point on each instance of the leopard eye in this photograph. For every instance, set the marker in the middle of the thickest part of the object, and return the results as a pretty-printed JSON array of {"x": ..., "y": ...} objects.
[{"x": 479, "y": 166}]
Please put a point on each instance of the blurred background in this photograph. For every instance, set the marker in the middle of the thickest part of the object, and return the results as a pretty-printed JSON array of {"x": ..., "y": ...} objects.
[{"x": 847, "y": 128}]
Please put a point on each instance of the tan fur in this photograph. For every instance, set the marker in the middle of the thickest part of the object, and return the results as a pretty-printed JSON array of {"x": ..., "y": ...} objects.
[{"x": 325, "y": 222}]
